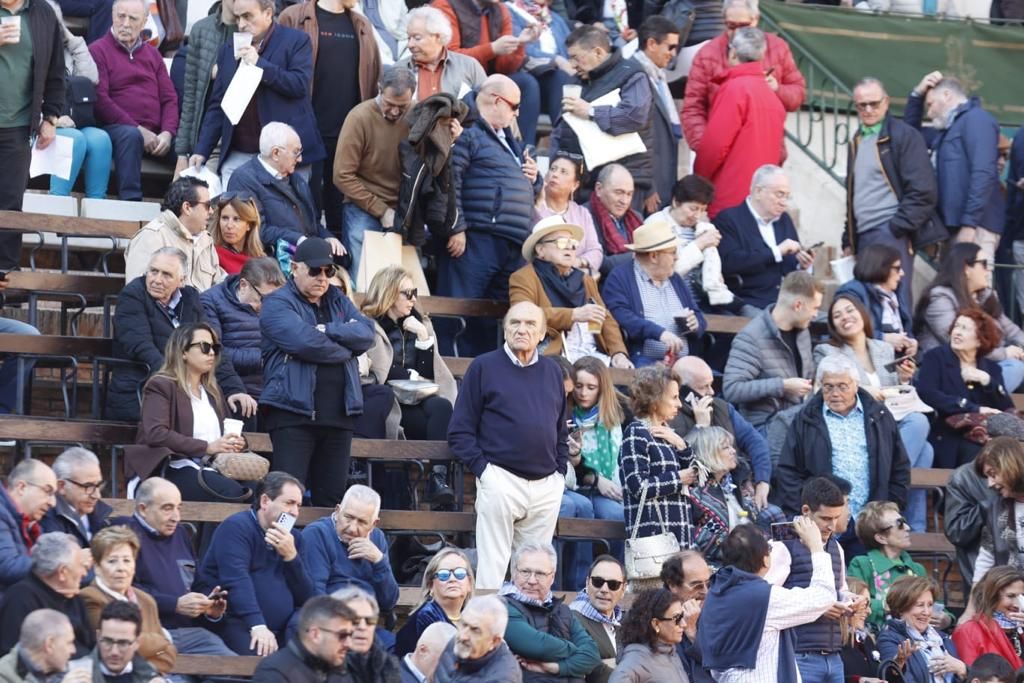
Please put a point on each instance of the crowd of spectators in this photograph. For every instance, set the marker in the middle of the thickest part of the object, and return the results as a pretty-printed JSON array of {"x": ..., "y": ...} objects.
[{"x": 783, "y": 492}]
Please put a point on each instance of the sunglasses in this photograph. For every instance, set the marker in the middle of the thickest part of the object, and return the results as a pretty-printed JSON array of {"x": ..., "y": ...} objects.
[
  {"x": 445, "y": 575},
  {"x": 865, "y": 106},
  {"x": 365, "y": 621},
  {"x": 901, "y": 523},
  {"x": 563, "y": 242},
  {"x": 514, "y": 106},
  {"x": 329, "y": 270},
  {"x": 206, "y": 347},
  {"x": 409, "y": 293},
  {"x": 678, "y": 619},
  {"x": 225, "y": 198},
  {"x": 598, "y": 582}
]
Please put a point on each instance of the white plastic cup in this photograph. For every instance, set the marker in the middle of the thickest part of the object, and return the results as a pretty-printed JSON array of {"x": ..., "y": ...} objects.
[
  {"x": 13, "y": 21},
  {"x": 233, "y": 427},
  {"x": 241, "y": 39},
  {"x": 572, "y": 91}
]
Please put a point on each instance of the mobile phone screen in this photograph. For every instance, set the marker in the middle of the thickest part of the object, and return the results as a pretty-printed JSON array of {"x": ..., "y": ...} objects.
[{"x": 286, "y": 521}]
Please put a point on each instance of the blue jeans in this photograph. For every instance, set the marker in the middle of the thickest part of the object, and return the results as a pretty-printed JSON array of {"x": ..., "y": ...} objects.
[
  {"x": 574, "y": 563},
  {"x": 92, "y": 147},
  {"x": 914, "y": 433},
  {"x": 357, "y": 222},
  {"x": 1013, "y": 374},
  {"x": 127, "y": 153},
  {"x": 815, "y": 668},
  {"x": 9, "y": 367}
]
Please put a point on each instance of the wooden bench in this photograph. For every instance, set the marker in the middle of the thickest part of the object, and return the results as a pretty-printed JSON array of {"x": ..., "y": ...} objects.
[{"x": 68, "y": 231}]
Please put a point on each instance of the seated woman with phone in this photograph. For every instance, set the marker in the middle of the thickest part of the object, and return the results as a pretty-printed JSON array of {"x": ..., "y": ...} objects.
[
  {"x": 878, "y": 284},
  {"x": 851, "y": 334}
]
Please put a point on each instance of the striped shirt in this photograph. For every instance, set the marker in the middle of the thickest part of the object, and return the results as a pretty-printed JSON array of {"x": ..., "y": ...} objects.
[{"x": 661, "y": 307}]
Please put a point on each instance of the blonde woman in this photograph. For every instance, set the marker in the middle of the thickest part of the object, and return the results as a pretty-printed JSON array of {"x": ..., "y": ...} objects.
[
  {"x": 447, "y": 586},
  {"x": 235, "y": 228}
]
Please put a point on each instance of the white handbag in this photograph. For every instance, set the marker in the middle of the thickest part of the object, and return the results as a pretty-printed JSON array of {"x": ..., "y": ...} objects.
[{"x": 644, "y": 556}]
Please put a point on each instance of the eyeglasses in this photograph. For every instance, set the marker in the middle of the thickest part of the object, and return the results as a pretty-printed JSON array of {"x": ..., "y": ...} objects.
[
  {"x": 694, "y": 585},
  {"x": 901, "y": 523},
  {"x": 206, "y": 348},
  {"x": 206, "y": 204},
  {"x": 90, "y": 487},
  {"x": 598, "y": 582},
  {"x": 111, "y": 643},
  {"x": 527, "y": 574},
  {"x": 563, "y": 243},
  {"x": 365, "y": 621},
  {"x": 514, "y": 106},
  {"x": 445, "y": 575},
  {"x": 897, "y": 268},
  {"x": 296, "y": 153},
  {"x": 842, "y": 388},
  {"x": 340, "y": 635},
  {"x": 678, "y": 619},
  {"x": 48, "y": 490},
  {"x": 410, "y": 293},
  {"x": 733, "y": 25},
  {"x": 328, "y": 270},
  {"x": 867, "y": 106},
  {"x": 673, "y": 48}
]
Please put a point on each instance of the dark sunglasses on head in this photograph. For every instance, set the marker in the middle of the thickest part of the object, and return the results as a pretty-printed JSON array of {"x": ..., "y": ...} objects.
[
  {"x": 575, "y": 159},
  {"x": 226, "y": 198},
  {"x": 409, "y": 293},
  {"x": 329, "y": 270},
  {"x": 445, "y": 575},
  {"x": 207, "y": 347},
  {"x": 599, "y": 582}
]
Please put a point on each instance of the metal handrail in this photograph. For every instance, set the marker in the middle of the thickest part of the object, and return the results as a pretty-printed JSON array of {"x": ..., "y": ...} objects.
[{"x": 826, "y": 94}]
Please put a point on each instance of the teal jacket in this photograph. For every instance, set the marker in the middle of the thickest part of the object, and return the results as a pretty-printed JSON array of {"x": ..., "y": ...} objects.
[{"x": 551, "y": 634}]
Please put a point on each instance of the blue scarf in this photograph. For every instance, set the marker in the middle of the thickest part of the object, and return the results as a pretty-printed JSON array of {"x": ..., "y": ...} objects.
[
  {"x": 583, "y": 605},
  {"x": 510, "y": 590}
]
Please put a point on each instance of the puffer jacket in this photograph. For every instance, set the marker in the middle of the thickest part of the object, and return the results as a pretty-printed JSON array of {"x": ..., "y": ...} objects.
[
  {"x": 966, "y": 155},
  {"x": 204, "y": 41},
  {"x": 15, "y": 562},
  {"x": 293, "y": 348},
  {"x": 935, "y": 317},
  {"x": 758, "y": 362},
  {"x": 491, "y": 192},
  {"x": 640, "y": 664},
  {"x": 238, "y": 327}
]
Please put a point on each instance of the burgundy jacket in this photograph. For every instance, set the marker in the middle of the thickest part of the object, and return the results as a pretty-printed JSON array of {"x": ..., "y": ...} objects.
[{"x": 134, "y": 88}]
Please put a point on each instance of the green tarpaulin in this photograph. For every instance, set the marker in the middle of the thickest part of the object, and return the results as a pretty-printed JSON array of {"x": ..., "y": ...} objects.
[{"x": 989, "y": 60}]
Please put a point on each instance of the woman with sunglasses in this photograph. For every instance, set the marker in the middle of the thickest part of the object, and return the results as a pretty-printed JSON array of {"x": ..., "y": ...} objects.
[
  {"x": 964, "y": 281},
  {"x": 650, "y": 633},
  {"x": 998, "y": 622},
  {"x": 886, "y": 536},
  {"x": 578, "y": 322},
  {"x": 560, "y": 184},
  {"x": 235, "y": 227},
  {"x": 182, "y": 413},
  {"x": 598, "y": 608},
  {"x": 447, "y": 587}
]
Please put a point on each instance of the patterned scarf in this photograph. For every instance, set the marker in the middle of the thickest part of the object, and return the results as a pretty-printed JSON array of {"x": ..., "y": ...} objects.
[
  {"x": 1007, "y": 524},
  {"x": 600, "y": 446},
  {"x": 581, "y": 603},
  {"x": 933, "y": 645},
  {"x": 614, "y": 243},
  {"x": 30, "y": 531},
  {"x": 510, "y": 590},
  {"x": 1004, "y": 622}
]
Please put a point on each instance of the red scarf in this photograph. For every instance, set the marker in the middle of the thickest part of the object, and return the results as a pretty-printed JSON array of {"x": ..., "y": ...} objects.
[
  {"x": 231, "y": 261},
  {"x": 29, "y": 531},
  {"x": 613, "y": 242}
]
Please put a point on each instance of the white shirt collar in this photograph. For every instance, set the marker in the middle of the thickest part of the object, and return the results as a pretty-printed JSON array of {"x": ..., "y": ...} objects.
[
  {"x": 107, "y": 672},
  {"x": 412, "y": 667},
  {"x": 515, "y": 359},
  {"x": 270, "y": 169}
]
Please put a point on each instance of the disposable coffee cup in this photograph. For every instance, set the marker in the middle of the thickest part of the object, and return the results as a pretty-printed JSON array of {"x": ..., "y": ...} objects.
[
  {"x": 233, "y": 427},
  {"x": 13, "y": 21},
  {"x": 572, "y": 91},
  {"x": 241, "y": 39}
]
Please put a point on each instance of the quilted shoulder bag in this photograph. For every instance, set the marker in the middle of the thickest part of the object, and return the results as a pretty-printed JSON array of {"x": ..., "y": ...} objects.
[
  {"x": 243, "y": 466},
  {"x": 644, "y": 556}
]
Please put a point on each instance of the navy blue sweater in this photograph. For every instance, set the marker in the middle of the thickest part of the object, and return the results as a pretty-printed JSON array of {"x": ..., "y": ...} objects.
[
  {"x": 164, "y": 568},
  {"x": 511, "y": 417},
  {"x": 262, "y": 587},
  {"x": 330, "y": 568}
]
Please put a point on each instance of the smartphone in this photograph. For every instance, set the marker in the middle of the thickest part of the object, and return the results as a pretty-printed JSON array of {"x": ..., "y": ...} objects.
[
  {"x": 219, "y": 595},
  {"x": 286, "y": 521},
  {"x": 529, "y": 152},
  {"x": 816, "y": 245},
  {"x": 891, "y": 367},
  {"x": 783, "y": 531}
]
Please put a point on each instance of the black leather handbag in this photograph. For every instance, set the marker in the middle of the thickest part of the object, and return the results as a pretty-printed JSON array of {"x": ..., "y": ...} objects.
[{"x": 80, "y": 101}]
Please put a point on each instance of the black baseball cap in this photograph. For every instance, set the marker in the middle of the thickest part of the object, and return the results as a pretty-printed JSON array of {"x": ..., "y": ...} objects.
[{"x": 314, "y": 252}]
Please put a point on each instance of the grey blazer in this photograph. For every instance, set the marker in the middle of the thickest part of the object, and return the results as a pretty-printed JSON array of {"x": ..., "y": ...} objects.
[{"x": 881, "y": 353}]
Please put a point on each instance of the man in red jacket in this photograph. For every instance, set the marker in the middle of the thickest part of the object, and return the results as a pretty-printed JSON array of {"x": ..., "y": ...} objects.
[
  {"x": 711, "y": 63},
  {"x": 747, "y": 122}
]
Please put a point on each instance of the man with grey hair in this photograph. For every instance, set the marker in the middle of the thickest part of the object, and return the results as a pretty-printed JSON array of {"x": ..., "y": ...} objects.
[
  {"x": 437, "y": 69},
  {"x": 286, "y": 56},
  {"x": 541, "y": 630},
  {"x": 287, "y": 209},
  {"x": 149, "y": 309},
  {"x": 367, "y": 168},
  {"x": 79, "y": 510},
  {"x": 478, "y": 651},
  {"x": 890, "y": 189},
  {"x": 135, "y": 99},
  {"x": 45, "y": 646},
  {"x": 965, "y": 152},
  {"x": 420, "y": 665},
  {"x": 760, "y": 239},
  {"x": 843, "y": 431},
  {"x": 712, "y": 62},
  {"x": 746, "y": 124},
  {"x": 347, "y": 549},
  {"x": 368, "y": 658},
  {"x": 58, "y": 567},
  {"x": 611, "y": 206},
  {"x": 29, "y": 495}
]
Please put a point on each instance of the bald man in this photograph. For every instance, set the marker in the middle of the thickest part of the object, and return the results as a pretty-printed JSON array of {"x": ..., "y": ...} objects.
[
  {"x": 419, "y": 665},
  {"x": 30, "y": 492},
  {"x": 496, "y": 183},
  {"x": 704, "y": 408},
  {"x": 508, "y": 430}
]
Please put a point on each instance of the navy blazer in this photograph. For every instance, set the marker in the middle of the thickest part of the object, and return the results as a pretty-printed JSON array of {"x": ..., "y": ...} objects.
[
  {"x": 622, "y": 296},
  {"x": 287, "y": 209},
  {"x": 749, "y": 257},
  {"x": 283, "y": 94}
]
